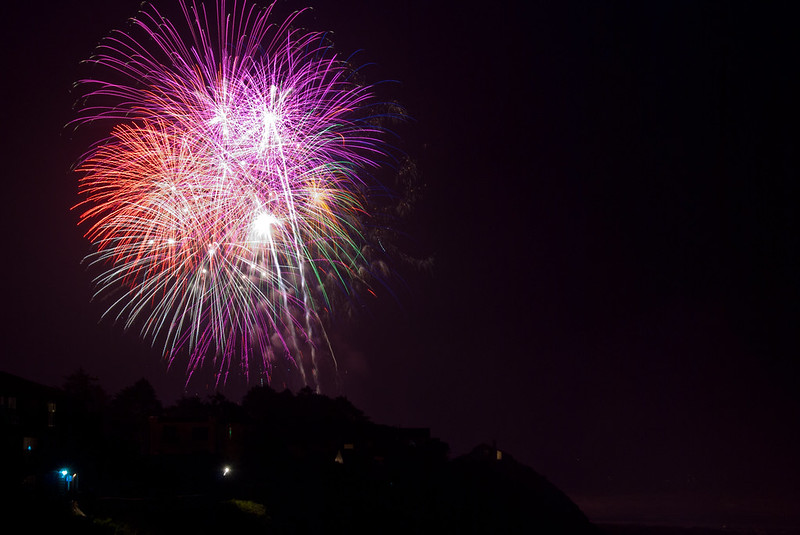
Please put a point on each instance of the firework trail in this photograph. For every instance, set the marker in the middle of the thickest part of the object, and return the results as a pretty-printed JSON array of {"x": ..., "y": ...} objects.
[{"x": 226, "y": 202}]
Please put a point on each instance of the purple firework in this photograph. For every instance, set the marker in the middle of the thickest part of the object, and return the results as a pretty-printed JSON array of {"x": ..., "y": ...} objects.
[{"x": 227, "y": 199}]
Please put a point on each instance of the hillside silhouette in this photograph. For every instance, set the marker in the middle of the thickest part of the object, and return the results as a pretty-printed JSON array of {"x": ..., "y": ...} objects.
[{"x": 278, "y": 462}]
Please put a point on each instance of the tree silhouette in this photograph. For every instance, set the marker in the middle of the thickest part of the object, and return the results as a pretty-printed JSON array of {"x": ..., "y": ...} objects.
[{"x": 130, "y": 413}]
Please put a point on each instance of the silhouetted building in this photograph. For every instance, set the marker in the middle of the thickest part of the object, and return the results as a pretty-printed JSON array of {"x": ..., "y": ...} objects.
[
  {"x": 182, "y": 436},
  {"x": 195, "y": 436},
  {"x": 31, "y": 427},
  {"x": 381, "y": 444}
]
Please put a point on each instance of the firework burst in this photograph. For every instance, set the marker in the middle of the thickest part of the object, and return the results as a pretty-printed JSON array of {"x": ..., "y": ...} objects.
[{"x": 229, "y": 194}]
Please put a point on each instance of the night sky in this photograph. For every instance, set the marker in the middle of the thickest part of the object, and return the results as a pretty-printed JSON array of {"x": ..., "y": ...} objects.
[{"x": 610, "y": 195}]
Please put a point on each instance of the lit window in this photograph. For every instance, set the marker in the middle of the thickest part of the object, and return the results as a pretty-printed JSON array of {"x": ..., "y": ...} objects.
[
  {"x": 28, "y": 444},
  {"x": 51, "y": 414}
]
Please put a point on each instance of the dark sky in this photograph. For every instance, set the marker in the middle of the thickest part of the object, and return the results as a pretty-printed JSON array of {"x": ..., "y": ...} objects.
[{"x": 610, "y": 202}]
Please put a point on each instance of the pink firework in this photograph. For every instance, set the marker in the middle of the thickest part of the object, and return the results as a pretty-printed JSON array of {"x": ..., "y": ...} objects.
[{"x": 228, "y": 194}]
